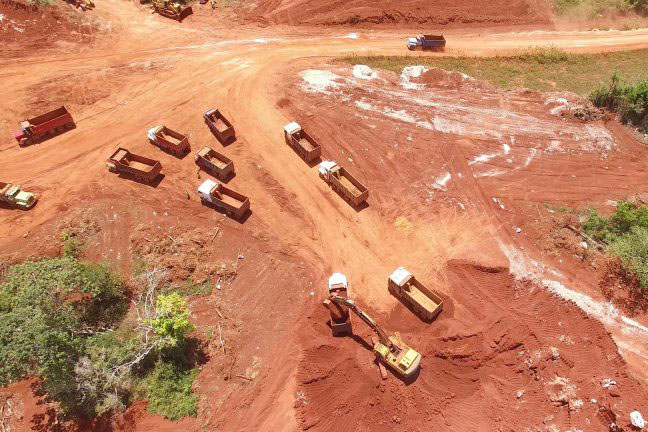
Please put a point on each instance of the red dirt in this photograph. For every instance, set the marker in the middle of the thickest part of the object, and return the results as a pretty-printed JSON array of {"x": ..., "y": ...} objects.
[
  {"x": 446, "y": 13},
  {"x": 291, "y": 373}
]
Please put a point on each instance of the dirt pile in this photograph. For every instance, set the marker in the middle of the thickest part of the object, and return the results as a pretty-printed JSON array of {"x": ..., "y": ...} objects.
[
  {"x": 446, "y": 13},
  {"x": 485, "y": 362}
]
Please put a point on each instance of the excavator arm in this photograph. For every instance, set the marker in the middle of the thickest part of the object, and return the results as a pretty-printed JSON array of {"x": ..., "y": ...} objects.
[{"x": 366, "y": 318}]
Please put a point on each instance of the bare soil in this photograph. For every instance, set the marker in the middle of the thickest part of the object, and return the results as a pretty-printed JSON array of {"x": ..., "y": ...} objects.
[{"x": 454, "y": 168}]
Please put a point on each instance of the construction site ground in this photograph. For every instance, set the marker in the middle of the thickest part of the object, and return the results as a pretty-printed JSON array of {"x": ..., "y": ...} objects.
[{"x": 468, "y": 186}]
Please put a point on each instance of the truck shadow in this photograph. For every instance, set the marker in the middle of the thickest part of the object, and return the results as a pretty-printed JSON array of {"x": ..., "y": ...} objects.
[
  {"x": 414, "y": 312},
  {"x": 226, "y": 142},
  {"x": 7, "y": 206},
  {"x": 154, "y": 184},
  {"x": 227, "y": 179},
  {"x": 172, "y": 153},
  {"x": 224, "y": 212},
  {"x": 315, "y": 162}
]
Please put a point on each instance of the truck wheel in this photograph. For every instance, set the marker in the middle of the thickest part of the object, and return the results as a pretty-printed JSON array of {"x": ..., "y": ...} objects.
[
  {"x": 69, "y": 125},
  {"x": 25, "y": 142}
]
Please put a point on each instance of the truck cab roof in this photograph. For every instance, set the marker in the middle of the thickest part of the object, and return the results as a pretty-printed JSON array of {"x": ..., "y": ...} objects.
[
  {"x": 207, "y": 187},
  {"x": 326, "y": 166},
  {"x": 291, "y": 128},
  {"x": 400, "y": 276},
  {"x": 338, "y": 279}
]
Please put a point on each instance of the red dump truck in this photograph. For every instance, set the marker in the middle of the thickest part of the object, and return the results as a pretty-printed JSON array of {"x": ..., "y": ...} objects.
[
  {"x": 305, "y": 146},
  {"x": 214, "y": 162},
  {"x": 426, "y": 43},
  {"x": 233, "y": 203},
  {"x": 35, "y": 129},
  {"x": 169, "y": 140},
  {"x": 403, "y": 285},
  {"x": 219, "y": 125},
  {"x": 338, "y": 285},
  {"x": 344, "y": 183},
  {"x": 140, "y": 167}
]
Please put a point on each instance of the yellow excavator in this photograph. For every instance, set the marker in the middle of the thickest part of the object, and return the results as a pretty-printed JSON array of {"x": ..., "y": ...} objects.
[{"x": 389, "y": 350}]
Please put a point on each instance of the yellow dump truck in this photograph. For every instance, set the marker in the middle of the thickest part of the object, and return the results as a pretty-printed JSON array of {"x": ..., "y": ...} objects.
[{"x": 403, "y": 285}]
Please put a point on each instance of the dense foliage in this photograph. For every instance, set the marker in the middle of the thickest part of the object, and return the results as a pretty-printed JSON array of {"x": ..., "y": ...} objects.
[
  {"x": 595, "y": 8},
  {"x": 629, "y": 100},
  {"x": 626, "y": 234},
  {"x": 63, "y": 320}
]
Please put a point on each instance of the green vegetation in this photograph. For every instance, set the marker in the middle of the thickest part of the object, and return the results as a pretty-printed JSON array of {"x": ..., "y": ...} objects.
[
  {"x": 595, "y": 8},
  {"x": 168, "y": 390},
  {"x": 536, "y": 68},
  {"x": 630, "y": 101},
  {"x": 190, "y": 289},
  {"x": 626, "y": 234},
  {"x": 64, "y": 320},
  {"x": 71, "y": 246}
]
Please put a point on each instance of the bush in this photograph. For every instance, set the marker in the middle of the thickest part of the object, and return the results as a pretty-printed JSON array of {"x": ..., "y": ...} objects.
[
  {"x": 626, "y": 234},
  {"x": 47, "y": 310},
  {"x": 168, "y": 390},
  {"x": 629, "y": 101}
]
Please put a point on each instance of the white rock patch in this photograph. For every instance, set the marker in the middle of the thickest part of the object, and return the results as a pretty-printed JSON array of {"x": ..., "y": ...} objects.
[
  {"x": 412, "y": 72},
  {"x": 319, "y": 81},
  {"x": 364, "y": 72}
]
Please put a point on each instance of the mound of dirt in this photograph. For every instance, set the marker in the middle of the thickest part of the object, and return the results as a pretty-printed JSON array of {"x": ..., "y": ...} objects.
[
  {"x": 409, "y": 12},
  {"x": 497, "y": 357}
]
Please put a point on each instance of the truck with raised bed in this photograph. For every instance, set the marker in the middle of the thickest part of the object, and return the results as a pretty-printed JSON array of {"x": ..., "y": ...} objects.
[
  {"x": 219, "y": 125},
  {"x": 169, "y": 140},
  {"x": 215, "y": 193},
  {"x": 37, "y": 128},
  {"x": 403, "y": 285},
  {"x": 305, "y": 146},
  {"x": 215, "y": 163},
  {"x": 13, "y": 196},
  {"x": 140, "y": 167},
  {"x": 344, "y": 183},
  {"x": 426, "y": 43}
]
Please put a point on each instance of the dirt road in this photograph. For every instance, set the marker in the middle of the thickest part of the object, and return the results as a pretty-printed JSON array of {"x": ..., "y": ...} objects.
[{"x": 128, "y": 81}]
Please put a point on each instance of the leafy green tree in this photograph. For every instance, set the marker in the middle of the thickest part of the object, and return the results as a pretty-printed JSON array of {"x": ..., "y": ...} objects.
[{"x": 171, "y": 323}]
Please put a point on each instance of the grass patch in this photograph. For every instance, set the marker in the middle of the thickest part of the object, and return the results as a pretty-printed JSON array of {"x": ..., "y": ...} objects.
[
  {"x": 190, "y": 289},
  {"x": 626, "y": 234},
  {"x": 542, "y": 69}
]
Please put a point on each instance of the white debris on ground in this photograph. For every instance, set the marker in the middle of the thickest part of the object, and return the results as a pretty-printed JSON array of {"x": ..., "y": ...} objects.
[
  {"x": 637, "y": 420},
  {"x": 412, "y": 72},
  {"x": 319, "y": 81},
  {"x": 364, "y": 72},
  {"x": 607, "y": 383},
  {"x": 561, "y": 104},
  {"x": 441, "y": 181},
  {"x": 519, "y": 394},
  {"x": 1, "y": 17}
]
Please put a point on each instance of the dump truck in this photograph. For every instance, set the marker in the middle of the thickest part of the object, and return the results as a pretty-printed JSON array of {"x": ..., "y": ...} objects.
[
  {"x": 214, "y": 162},
  {"x": 403, "y": 285},
  {"x": 389, "y": 350},
  {"x": 233, "y": 203},
  {"x": 305, "y": 146},
  {"x": 13, "y": 196},
  {"x": 173, "y": 10},
  {"x": 140, "y": 167},
  {"x": 219, "y": 125},
  {"x": 340, "y": 317},
  {"x": 169, "y": 140},
  {"x": 426, "y": 43},
  {"x": 344, "y": 183},
  {"x": 35, "y": 129}
]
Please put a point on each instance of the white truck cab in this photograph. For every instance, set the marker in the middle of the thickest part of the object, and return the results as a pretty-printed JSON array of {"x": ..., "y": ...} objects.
[
  {"x": 412, "y": 43},
  {"x": 338, "y": 281},
  {"x": 205, "y": 190},
  {"x": 325, "y": 168}
]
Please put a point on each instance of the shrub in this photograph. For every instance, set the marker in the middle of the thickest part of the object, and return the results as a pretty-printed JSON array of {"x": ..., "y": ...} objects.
[
  {"x": 168, "y": 390},
  {"x": 632, "y": 251},
  {"x": 629, "y": 101},
  {"x": 171, "y": 322}
]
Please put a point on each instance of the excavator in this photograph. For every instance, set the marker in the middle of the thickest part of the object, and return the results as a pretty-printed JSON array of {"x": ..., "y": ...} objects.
[{"x": 390, "y": 350}]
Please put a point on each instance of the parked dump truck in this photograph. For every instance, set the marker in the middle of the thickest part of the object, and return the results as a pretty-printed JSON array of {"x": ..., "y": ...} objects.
[
  {"x": 344, "y": 183},
  {"x": 403, "y": 285},
  {"x": 426, "y": 43},
  {"x": 223, "y": 197},
  {"x": 13, "y": 196},
  {"x": 34, "y": 129},
  {"x": 219, "y": 125},
  {"x": 305, "y": 146},
  {"x": 168, "y": 139},
  {"x": 214, "y": 162},
  {"x": 140, "y": 167},
  {"x": 340, "y": 317},
  {"x": 173, "y": 10}
]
